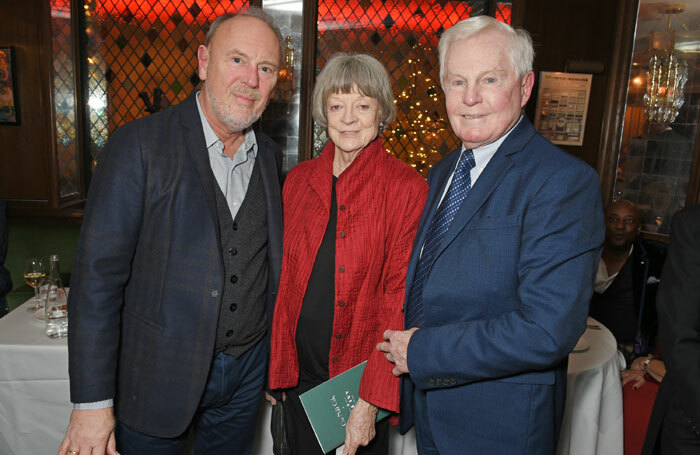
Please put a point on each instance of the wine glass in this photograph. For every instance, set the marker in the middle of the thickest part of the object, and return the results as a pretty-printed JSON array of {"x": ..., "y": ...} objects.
[{"x": 34, "y": 275}]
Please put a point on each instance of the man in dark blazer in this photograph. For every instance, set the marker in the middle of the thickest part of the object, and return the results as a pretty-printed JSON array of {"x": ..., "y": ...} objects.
[
  {"x": 178, "y": 264},
  {"x": 674, "y": 426},
  {"x": 503, "y": 264},
  {"x": 627, "y": 279}
]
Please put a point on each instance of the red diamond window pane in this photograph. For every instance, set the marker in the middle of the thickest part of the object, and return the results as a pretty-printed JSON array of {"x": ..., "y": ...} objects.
[
  {"x": 160, "y": 39},
  {"x": 504, "y": 10},
  {"x": 404, "y": 36}
]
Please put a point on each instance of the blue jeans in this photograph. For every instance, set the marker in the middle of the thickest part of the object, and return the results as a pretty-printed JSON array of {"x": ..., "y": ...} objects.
[{"x": 227, "y": 415}]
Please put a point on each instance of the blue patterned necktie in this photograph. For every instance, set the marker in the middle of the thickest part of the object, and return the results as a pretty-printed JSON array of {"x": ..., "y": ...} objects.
[{"x": 456, "y": 194}]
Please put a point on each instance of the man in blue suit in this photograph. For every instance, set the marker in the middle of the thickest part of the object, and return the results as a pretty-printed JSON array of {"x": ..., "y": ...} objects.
[
  {"x": 503, "y": 264},
  {"x": 178, "y": 264}
]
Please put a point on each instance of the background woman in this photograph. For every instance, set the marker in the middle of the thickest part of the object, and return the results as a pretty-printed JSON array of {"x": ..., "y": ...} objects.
[{"x": 350, "y": 217}]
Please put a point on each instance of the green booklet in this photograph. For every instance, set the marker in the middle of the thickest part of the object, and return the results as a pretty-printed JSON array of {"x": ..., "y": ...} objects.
[{"x": 328, "y": 406}]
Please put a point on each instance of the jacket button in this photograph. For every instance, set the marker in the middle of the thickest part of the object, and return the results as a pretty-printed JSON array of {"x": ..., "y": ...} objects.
[
  {"x": 341, "y": 269},
  {"x": 234, "y": 279},
  {"x": 235, "y": 226},
  {"x": 342, "y": 207},
  {"x": 233, "y": 307},
  {"x": 342, "y": 235},
  {"x": 335, "y": 360},
  {"x": 337, "y": 335},
  {"x": 341, "y": 304},
  {"x": 229, "y": 333},
  {"x": 233, "y": 251}
]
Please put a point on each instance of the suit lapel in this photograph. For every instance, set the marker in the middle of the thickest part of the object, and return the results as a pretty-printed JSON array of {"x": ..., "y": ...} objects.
[
  {"x": 438, "y": 179},
  {"x": 482, "y": 189},
  {"x": 197, "y": 148},
  {"x": 489, "y": 179},
  {"x": 270, "y": 181}
]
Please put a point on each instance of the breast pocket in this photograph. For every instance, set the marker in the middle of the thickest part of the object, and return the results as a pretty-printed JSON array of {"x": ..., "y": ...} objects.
[{"x": 488, "y": 254}]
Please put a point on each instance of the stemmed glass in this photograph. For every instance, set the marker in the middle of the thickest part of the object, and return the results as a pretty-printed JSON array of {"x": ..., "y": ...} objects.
[{"x": 34, "y": 275}]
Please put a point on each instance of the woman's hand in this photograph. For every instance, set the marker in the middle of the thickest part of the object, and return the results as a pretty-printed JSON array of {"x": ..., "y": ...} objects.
[
  {"x": 638, "y": 363},
  {"x": 359, "y": 430},
  {"x": 633, "y": 375}
]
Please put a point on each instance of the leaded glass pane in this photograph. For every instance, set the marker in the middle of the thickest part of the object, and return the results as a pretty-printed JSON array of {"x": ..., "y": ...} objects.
[
  {"x": 403, "y": 34},
  {"x": 64, "y": 98},
  {"x": 142, "y": 57},
  {"x": 504, "y": 11}
]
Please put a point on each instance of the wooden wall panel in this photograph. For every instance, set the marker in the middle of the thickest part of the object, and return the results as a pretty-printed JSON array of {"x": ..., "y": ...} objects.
[
  {"x": 25, "y": 149},
  {"x": 573, "y": 30}
]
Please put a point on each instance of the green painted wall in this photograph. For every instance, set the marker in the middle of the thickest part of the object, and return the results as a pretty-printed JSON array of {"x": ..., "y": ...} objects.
[{"x": 37, "y": 237}]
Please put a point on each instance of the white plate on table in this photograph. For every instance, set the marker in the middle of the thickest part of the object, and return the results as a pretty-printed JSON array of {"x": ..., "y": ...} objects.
[{"x": 581, "y": 345}]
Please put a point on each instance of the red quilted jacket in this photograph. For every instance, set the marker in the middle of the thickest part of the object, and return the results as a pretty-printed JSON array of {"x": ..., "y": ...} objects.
[{"x": 380, "y": 201}]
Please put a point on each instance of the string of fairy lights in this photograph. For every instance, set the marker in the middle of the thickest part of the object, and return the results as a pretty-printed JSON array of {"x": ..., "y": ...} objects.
[{"x": 416, "y": 132}]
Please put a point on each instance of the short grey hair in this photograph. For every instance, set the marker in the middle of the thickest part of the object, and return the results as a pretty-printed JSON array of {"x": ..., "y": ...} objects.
[
  {"x": 345, "y": 71},
  {"x": 519, "y": 47},
  {"x": 252, "y": 11}
]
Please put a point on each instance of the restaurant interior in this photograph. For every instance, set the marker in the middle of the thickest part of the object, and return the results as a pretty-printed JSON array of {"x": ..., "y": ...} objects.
[{"x": 72, "y": 72}]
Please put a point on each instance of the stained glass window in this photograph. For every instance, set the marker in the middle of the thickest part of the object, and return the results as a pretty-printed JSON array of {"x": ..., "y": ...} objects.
[
  {"x": 64, "y": 99},
  {"x": 142, "y": 57}
]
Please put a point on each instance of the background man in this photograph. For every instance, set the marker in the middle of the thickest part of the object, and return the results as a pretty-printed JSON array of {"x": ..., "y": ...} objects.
[
  {"x": 503, "y": 264},
  {"x": 628, "y": 277},
  {"x": 675, "y": 421},
  {"x": 178, "y": 263}
]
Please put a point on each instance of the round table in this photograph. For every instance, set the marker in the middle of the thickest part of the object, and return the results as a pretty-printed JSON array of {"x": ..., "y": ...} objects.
[{"x": 592, "y": 423}]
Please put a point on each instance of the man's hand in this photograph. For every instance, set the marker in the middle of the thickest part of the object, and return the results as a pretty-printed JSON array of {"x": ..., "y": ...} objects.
[
  {"x": 360, "y": 430},
  {"x": 270, "y": 399},
  {"x": 395, "y": 349},
  {"x": 90, "y": 432}
]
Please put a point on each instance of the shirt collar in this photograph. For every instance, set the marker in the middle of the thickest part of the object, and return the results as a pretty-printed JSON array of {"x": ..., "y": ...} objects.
[{"x": 250, "y": 144}]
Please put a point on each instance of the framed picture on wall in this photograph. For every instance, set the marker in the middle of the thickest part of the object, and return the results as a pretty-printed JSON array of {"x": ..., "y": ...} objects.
[
  {"x": 9, "y": 107},
  {"x": 562, "y": 105}
]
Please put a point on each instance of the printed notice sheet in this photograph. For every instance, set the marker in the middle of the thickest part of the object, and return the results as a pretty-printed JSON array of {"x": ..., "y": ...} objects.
[{"x": 562, "y": 105}]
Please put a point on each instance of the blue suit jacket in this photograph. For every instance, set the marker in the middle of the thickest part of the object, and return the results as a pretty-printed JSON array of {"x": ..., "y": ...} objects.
[
  {"x": 506, "y": 299},
  {"x": 148, "y": 274}
]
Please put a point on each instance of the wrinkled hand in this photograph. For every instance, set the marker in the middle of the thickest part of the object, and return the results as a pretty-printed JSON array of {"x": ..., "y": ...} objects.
[
  {"x": 272, "y": 400},
  {"x": 395, "y": 349},
  {"x": 90, "y": 432},
  {"x": 360, "y": 430},
  {"x": 636, "y": 376}
]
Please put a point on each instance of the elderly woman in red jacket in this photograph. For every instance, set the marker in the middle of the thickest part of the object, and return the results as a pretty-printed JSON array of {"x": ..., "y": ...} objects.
[{"x": 350, "y": 217}]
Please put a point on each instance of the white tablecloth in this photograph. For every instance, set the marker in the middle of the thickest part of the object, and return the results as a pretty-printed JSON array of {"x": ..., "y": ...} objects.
[
  {"x": 592, "y": 422},
  {"x": 34, "y": 392},
  {"x": 35, "y": 407}
]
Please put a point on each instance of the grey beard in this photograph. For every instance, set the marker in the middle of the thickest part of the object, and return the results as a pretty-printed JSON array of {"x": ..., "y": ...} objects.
[{"x": 233, "y": 125}]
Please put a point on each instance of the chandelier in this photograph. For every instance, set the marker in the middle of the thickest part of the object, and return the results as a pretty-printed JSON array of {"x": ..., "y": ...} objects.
[{"x": 666, "y": 79}]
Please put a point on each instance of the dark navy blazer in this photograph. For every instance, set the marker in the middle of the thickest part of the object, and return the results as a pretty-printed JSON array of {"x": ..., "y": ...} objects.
[
  {"x": 148, "y": 274},
  {"x": 506, "y": 299}
]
